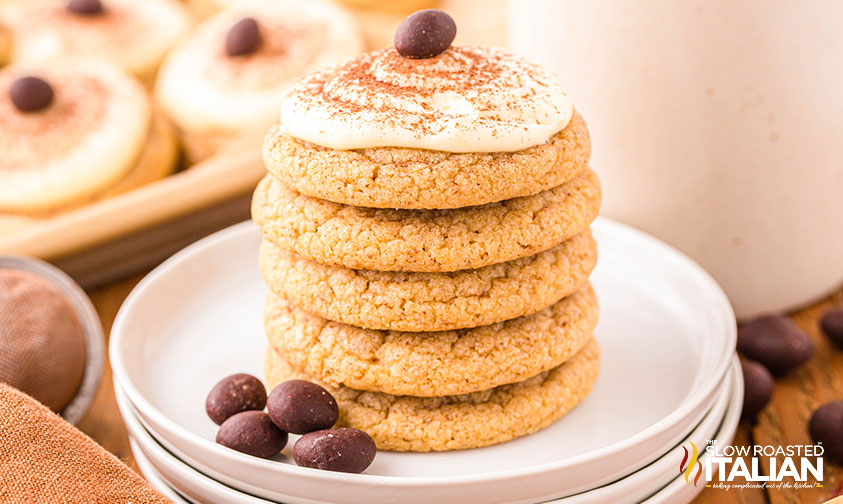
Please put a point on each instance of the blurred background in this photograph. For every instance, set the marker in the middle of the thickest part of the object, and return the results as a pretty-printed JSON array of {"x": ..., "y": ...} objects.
[{"x": 716, "y": 127}]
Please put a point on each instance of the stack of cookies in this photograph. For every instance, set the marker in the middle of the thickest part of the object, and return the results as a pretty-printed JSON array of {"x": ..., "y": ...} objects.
[{"x": 427, "y": 246}]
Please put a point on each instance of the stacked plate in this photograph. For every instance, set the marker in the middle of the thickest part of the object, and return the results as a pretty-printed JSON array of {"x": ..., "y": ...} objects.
[{"x": 669, "y": 378}]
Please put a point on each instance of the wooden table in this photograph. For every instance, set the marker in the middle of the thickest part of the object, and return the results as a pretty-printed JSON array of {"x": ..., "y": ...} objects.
[{"x": 783, "y": 422}]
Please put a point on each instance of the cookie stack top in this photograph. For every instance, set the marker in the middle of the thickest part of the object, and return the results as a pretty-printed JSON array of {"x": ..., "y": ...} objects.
[
  {"x": 471, "y": 126},
  {"x": 426, "y": 241}
]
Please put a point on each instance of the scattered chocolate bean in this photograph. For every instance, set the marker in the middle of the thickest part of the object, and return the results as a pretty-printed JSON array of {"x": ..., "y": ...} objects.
[
  {"x": 299, "y": 406},
  {"x": 776, "y": 342},
  {"x": 757, "y": 388},
  {"x": 826, "y": 427},
  {"x": 425, "y": 34},
  {"x": 233, "y": 394},
  {"x": 832, "y": 325},
  {"x": 243, "y": 38},
  {"x": 85, "y": 7},
  {"x": 341, "y": 449},
  {"x": 30, "y": 94},
  {"x": 253, "y": 433}
]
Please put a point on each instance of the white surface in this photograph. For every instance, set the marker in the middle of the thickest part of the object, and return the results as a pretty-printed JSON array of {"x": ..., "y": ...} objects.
[
  {"x": 667, "y": 334},
  {"x": 717, "y": 129},
  {"x": 631, "y": 489}
]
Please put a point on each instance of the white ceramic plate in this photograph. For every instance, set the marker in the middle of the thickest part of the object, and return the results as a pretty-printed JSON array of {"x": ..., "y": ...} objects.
[
  {"x": 680, "y": 492},
  {"x": 152, "y": 476},
  {"x": 720, "y": 423},
  {"x": 631, "y": 489},
  {"x": 667, "y": 333}
]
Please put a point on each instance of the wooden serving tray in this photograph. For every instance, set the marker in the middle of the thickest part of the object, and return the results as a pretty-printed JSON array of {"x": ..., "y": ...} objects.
[{"x": 130, "y": 232}]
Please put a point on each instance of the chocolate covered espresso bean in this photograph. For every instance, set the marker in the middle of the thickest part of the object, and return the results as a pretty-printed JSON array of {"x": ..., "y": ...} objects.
[
  {"x": 234, "y": 394},
  {"x": 252, "y": 433},
  {"x": 341, "y": 449},
  {"x": 299, "y": 406}
]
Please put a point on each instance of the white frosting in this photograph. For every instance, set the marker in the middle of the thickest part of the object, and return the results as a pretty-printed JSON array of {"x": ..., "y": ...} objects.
[
  {"x": 88, "y": 138},
  {"x": 467, "y": 99},
  {"x": 202, "y": 88},
  {"x": 132, "y": 34}
]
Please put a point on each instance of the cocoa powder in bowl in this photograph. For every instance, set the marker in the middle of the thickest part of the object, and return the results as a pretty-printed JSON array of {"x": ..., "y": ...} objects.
[{"x": 51, "y": 342}]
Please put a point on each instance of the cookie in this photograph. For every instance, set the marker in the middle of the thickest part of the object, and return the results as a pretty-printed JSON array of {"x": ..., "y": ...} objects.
[
  {"x": 222, "y": 79},
  {"x": 393, "y": 177},
  {"x": 130, "y": 34},
  {"x": 425, "y": 240},
  {"x": 430, "y": 301},
  {"x": 431, "y": 363},
  {"x": 406, "y": 423},
  {"x": 158, "y": 158},
  {"x": 71, "y": 130},
  {"x": 391, "y": 6}
]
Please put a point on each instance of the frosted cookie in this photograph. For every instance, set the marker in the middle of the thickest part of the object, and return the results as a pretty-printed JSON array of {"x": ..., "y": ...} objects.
[
  {"x": 132, "y": 34},
  {"x": 231, "y": 73},
  {"x": 425, "y": 240},
  {"x": 5, "y": 44},
  {"x": 74, "y": 131},
  {"x": 430, "y": 301},
  {"x": 204, "y": 8},
  {"x": 431, "y": 363},
  {"x": 406, "y": 423},
  {"x": 470, "y": 126},
  {"x": 391, "y": 6},
  {"x": 158, "y": 158}
]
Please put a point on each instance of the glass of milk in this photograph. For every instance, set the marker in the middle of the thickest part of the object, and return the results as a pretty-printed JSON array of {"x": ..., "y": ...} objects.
[{"x": 717, "y": 126}]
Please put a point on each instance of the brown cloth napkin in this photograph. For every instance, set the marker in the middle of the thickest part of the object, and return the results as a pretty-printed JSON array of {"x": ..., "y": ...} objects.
[{"x": 44, "y": 459}]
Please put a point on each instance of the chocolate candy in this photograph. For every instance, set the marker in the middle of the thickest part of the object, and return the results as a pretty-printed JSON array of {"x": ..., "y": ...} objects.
[
  {"x": 757, "y": 388},
  {"x": 30, "y": 94},
  {"x": 832, "y": 325},
  {"x": 233, "y": 394},
  {"x": 299, "y": 406},
  {"x": 253, "y": 433},
  {"x": 425, "y": 34},
  {"x": 85, "y": 7},
  {"x": 341, "y": 449},
  {"x": 243, "y": 38},
  {"x": 826, "y": 427},
  {"x": 776, "y": 342}
]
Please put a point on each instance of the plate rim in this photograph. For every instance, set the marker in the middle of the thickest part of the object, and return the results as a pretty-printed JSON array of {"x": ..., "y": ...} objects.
[
  {"x": 734, "y": 392},
  {"x": 731, "y": 411},
  {"x": 730, "y": 423},
  {"x": 243, "y": 228},
  {"x": 152, "y": 476}
]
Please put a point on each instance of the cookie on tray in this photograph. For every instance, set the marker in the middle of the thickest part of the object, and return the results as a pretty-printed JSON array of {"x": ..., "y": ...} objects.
[
  {"x": 230, "y": 74},
  {"x": 131, "y": 34},
  {"x": 75, "y": 131}
]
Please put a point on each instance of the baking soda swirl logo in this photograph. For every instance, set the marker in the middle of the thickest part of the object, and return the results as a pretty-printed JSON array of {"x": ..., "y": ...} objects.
[{"x": 791, "y": 466}]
